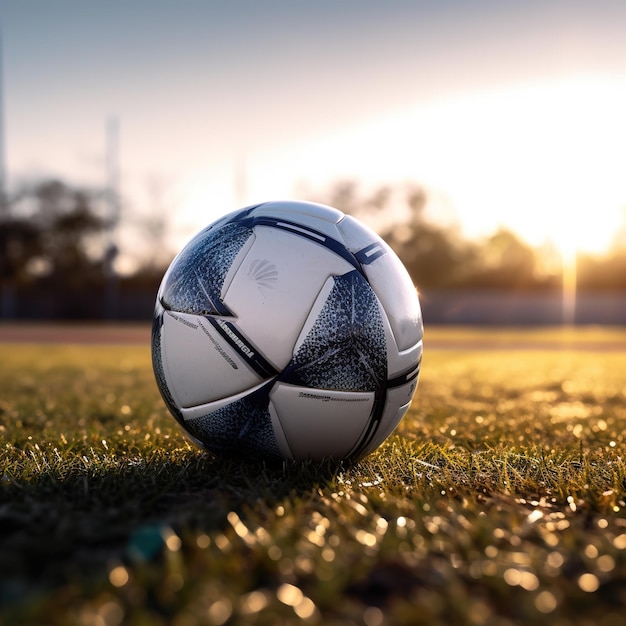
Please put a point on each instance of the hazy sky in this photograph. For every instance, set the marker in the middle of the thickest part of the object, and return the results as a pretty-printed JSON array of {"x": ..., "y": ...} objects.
[{"x": 511, "y": 112}]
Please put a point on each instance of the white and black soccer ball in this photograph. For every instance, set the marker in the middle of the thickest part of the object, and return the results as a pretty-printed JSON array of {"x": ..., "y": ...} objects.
[{"x": 287, "y": 330}]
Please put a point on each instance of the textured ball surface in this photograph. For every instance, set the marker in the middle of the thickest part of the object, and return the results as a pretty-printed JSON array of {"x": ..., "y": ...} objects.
[{"x": 287, "y": 330}]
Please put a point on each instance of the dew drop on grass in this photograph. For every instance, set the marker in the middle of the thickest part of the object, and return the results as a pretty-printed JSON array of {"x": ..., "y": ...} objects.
[
  {"x": 381, "y": 525},
  {"x": 118, "y": 576},
  {"x": 529, "y": 581},
  {"x": 491, "y": 552},
  {"x": 289, "y": 594},
  {"x": 606, "y": 563},
  {"x": 365, "y": 538},
  {"x": 588, "y": 582},
  {"x": 512, "y": 577},
  {"x": 373, "y": 616},
  {"x": 172, "y": 540},
  {"x": 545, "y": 602},
  {"x": 220, "y": 611},
  {"x": 555, "y": 560},
  {"x": 274, "y": 553},
  {"x": 328, "y": 554},
  {"x": 591, "y": 551},
  {"x": 111, "y": 613},
  {"x": 253, "y": 602},
  {"x": 305, "y": 609}
]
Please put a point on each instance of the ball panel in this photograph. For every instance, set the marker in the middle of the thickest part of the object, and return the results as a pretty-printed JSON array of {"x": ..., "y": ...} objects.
[
  {"x": 192, "y": 412},
  {"x": 314, "y": 313},
  {"x": 389, "y": 279},
  {"x": 392, "y": 416},
  {"x": 398, "y": 296},
  {"x": 355, "y": 235},
  {"x": 316, "y": 216},
  {"x": 279, "y": 433},
  {"x": 276, "y": 285},
  {"x": 398, "y": 397},
  {"x": 399, "y": 361},
  {"x": 199, "y": 366},
  {"x": 242, "y": 428},
  {"x": 345, "y": 347},
  {"x": 319, "y": 423},
  {"x": 193, "y": 283},
  {"x": 235, "y": 265},
  {"x": 157, "y": 360}
]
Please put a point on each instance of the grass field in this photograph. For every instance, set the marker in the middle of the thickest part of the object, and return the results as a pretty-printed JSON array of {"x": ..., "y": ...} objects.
[{"x": 501, "y": 499}]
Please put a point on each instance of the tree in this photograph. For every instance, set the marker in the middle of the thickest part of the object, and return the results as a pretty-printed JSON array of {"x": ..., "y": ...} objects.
[
  {"x": 20, "y": 244},
  {"x": 52, "y": 232},
  {"x": 434, "y": 255},
  {"x": 503, "y": 261}
]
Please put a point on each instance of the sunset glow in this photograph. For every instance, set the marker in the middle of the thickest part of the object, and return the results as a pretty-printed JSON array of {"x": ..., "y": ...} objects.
[
  {"x": 510, "y": 115},
  {"x": 569, "y": 271},
  {"x": 542, "y": 159}
]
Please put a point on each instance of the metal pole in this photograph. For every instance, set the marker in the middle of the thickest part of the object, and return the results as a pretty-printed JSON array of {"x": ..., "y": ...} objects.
[
  {"x": 8, "y": 297},
  {"x": 4, "y": 205},
  {"x": 113, "y": 210}
]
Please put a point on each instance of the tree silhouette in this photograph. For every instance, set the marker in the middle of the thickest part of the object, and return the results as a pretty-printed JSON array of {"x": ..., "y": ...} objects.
[
  {"x": 503, "y": 261},
  {"x": 51, "y": 233},
  {"x": 434, "y": 255},
  {"x": 20, "y": 244}
]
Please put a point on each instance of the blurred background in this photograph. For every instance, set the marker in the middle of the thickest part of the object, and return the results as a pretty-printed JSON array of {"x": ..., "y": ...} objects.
[{"x": 485, "y": 141}]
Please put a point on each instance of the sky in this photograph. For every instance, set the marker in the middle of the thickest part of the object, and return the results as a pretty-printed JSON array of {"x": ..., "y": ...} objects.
[{"x": 508, "y": 113}]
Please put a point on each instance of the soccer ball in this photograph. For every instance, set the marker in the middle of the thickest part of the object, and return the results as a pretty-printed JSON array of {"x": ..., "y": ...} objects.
[{"x": 287, "y": 330}]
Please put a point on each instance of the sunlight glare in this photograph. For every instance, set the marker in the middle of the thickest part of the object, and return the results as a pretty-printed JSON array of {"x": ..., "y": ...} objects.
[
  {"x": 206, "y": 196},
  {"x": 569, "y": 251},
  {"x": 537, "y": 158},
  {"x": 543, "y": 159}
]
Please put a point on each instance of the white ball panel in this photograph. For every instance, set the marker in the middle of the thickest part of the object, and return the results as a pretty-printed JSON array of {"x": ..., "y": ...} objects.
[
  {"x": 320, "y": 423},
  {"x": 279, "y": 433},
  {"x": 391, "y": 282},
  {"x": 399, "y": 361},
  {"x": 314, "y": 312},
  {"x": 235, "y": 265},
  {"x": 199, "y": 410},
  {"x": 273, "y": 291},
  {"x": 356, "y": 235},
  {"x": 409, "y": 359},
  {"x": 392, "y": 416},
  {"x": 199, "y": 366},
  {"x": 317, "y": 216},
  {"x": 394, "y": 288}
]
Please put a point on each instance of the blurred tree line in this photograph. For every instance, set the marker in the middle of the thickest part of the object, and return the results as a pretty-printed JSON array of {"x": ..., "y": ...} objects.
[
  {"x": 56, "y": 252},
  {"x": 438, "y": 256}
]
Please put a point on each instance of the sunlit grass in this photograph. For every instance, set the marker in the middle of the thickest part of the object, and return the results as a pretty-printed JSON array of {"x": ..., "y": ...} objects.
[
  {"x": 500, "y": 500},
  {"x": 606, "y": 337}
]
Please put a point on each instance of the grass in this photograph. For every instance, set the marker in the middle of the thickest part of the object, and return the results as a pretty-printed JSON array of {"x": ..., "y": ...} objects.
[{"x": 499, "y": 500}]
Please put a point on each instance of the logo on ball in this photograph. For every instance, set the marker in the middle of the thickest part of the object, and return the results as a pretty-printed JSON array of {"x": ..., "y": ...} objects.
[{"x": 263, "y": 273}]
